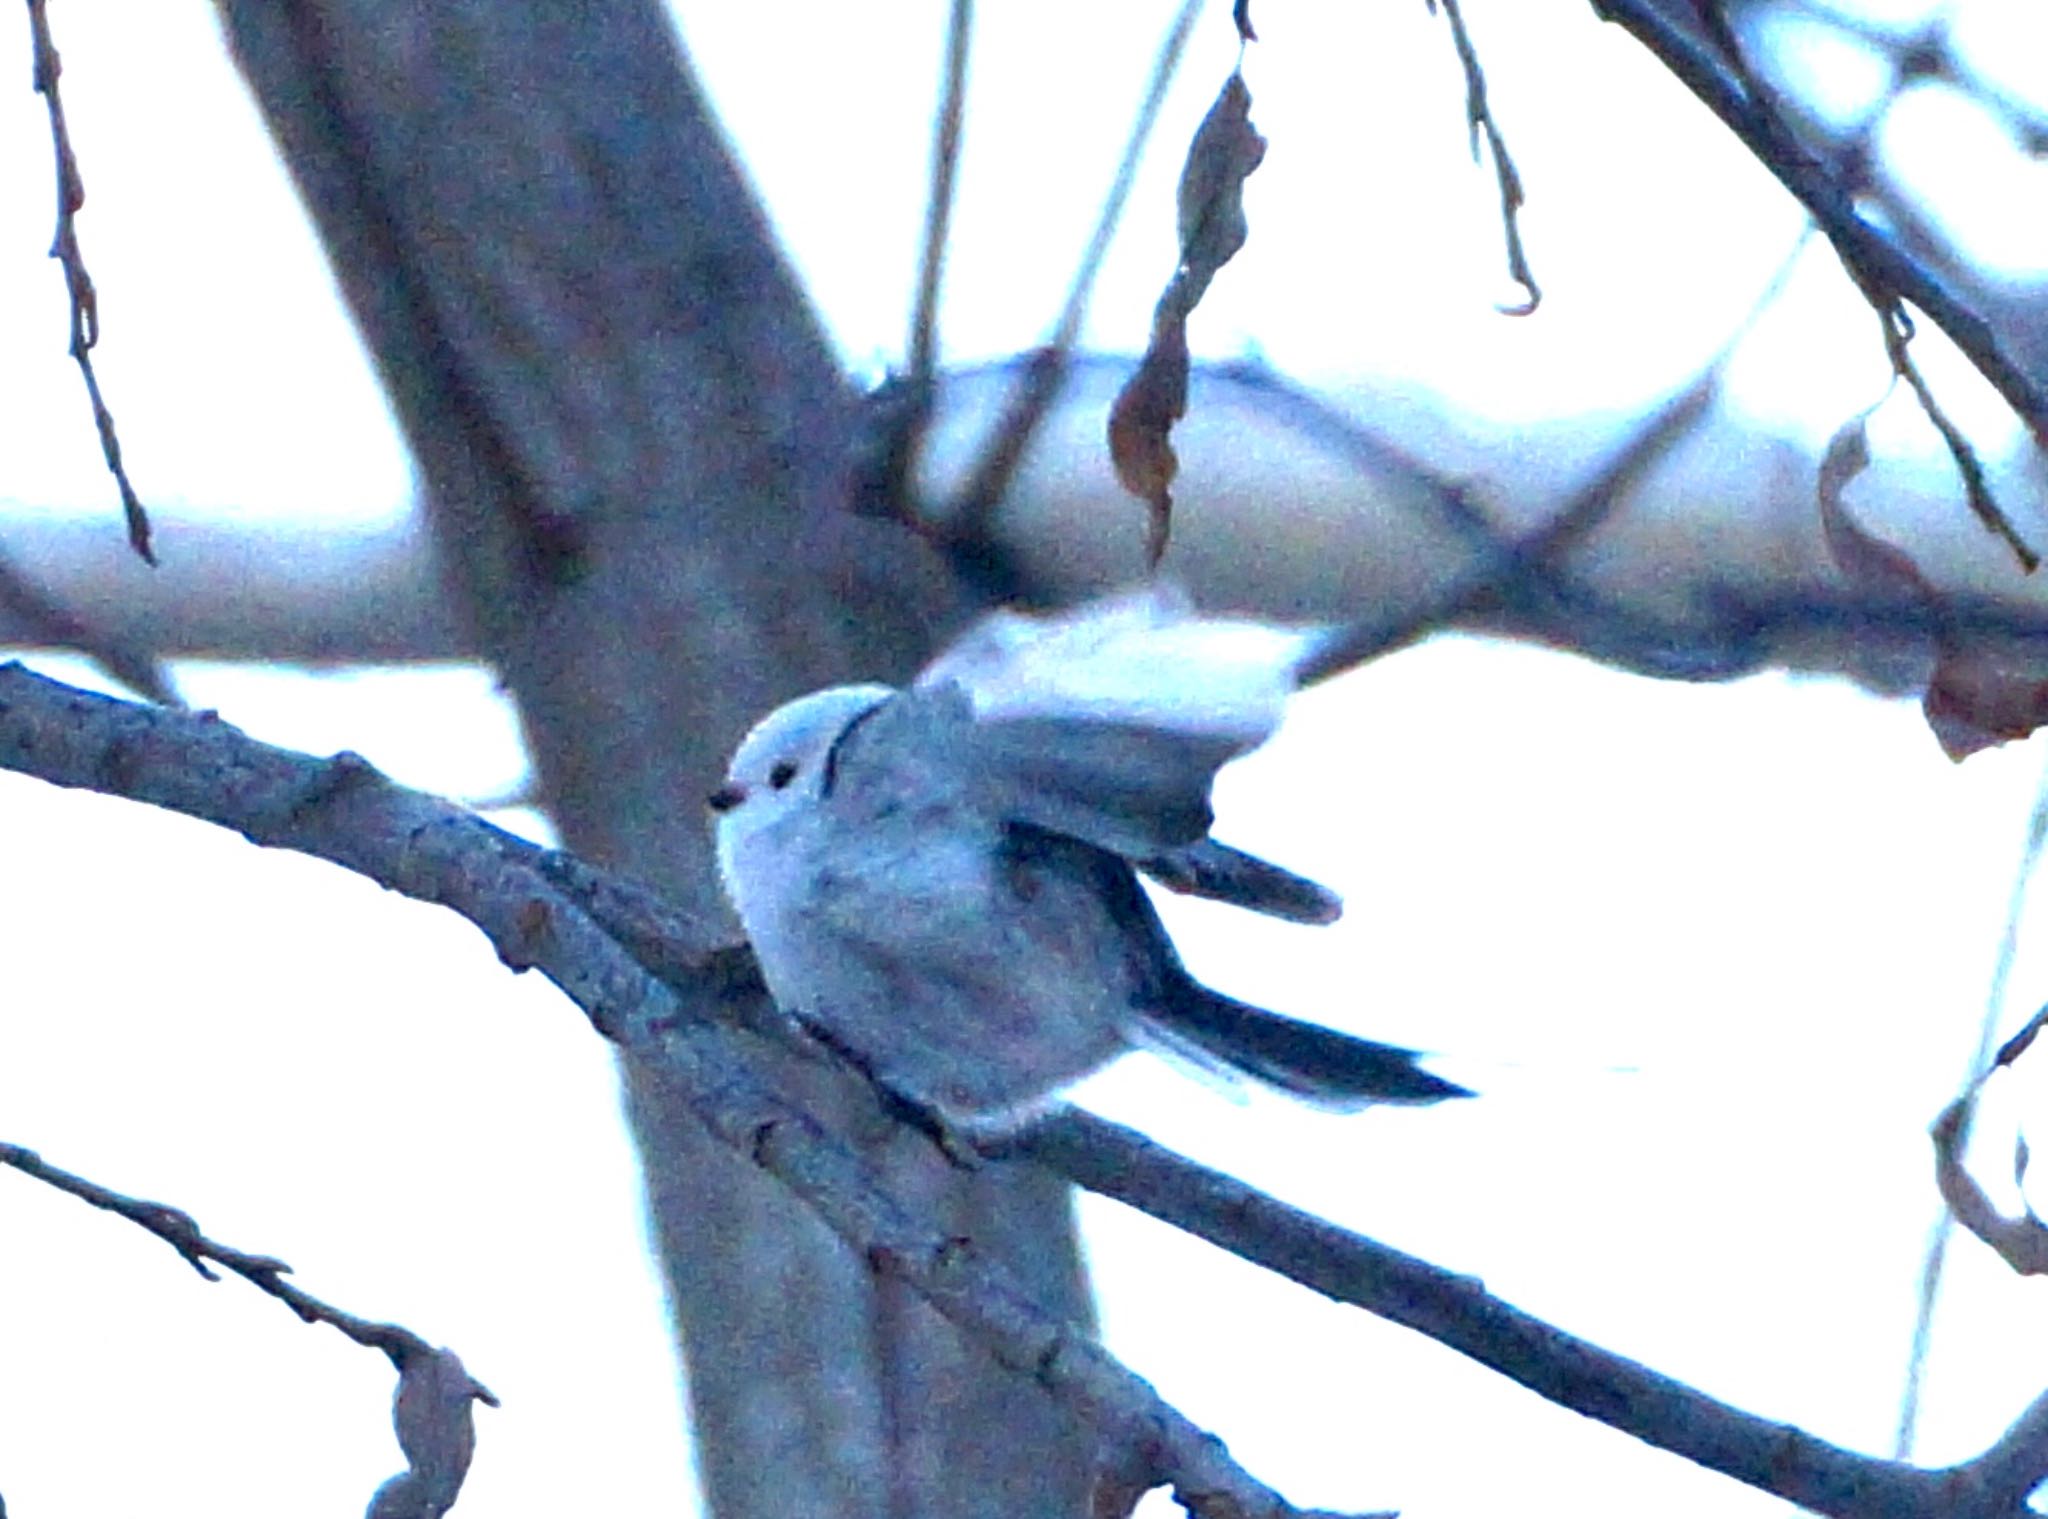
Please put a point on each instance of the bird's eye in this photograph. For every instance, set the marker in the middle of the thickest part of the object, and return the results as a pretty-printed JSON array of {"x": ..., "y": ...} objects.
[{"x": 783, "y": 773}]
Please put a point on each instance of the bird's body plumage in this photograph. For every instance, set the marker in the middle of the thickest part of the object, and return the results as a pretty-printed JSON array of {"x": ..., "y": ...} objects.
[{"x": 942, "y": 884}]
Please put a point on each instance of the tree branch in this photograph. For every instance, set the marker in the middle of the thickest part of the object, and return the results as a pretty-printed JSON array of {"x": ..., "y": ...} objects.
[
  {"x": 655, "y": 980},
  {"x": 1884, "y": 272},
  {"x": 432, "y": 1412},
  {"x": 344, "y": 811},
  {"x": 1459, "y": 1312}
]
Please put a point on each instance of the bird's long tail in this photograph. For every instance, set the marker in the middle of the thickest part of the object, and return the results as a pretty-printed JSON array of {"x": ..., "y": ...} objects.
[{"x": 1306, "y": 1060}]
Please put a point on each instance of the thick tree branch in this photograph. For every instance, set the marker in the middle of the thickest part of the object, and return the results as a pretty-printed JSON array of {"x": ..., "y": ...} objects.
[
  {"x": 596, "y": 938},
  {"x": 290, "y": 592},
  {"x": 344, "y": 811}
]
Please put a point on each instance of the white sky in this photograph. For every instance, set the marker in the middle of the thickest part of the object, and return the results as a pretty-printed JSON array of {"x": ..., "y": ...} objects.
[{"x": 1716, "y": 954}]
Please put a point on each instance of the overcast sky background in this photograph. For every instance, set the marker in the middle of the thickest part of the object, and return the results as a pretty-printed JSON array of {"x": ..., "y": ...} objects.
[{"x": 1717, "y": 955}]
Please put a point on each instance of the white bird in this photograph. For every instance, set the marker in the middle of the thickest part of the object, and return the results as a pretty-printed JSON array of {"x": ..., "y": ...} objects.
[{"x": 940, "y": 883}]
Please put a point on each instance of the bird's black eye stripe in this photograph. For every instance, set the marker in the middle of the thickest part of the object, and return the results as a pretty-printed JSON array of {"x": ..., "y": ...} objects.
[
  {"x": 783, "y": 773},
  {"x": 830, "y": 775}
]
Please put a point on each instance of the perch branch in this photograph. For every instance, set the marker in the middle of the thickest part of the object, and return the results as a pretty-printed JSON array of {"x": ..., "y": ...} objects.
[
  {"x": 596, "y": 938},
  {"x": 343, "y": 810}
]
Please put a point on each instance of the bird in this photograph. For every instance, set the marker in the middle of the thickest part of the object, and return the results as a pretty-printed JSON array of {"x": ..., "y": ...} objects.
[{"x": 941, "y": 882}]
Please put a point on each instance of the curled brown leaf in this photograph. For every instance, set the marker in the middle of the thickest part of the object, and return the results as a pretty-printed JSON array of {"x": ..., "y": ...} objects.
[
  {"x": 2022, "y": 1242},
  {"x": 1978, "y": 695},
  {"x": 1225, "y": 150},
  {"x": 433, "y": 1414}
]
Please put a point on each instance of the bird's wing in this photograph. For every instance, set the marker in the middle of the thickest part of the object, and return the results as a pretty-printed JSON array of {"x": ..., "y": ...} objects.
[{"x": 1108, "y": 723}]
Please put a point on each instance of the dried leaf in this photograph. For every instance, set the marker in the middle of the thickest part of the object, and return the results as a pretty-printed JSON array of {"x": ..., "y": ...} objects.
[
  {"x": 1868, "y": 560},
  {"x": 1977, "y": 696},
  {"x": 2021, "y": 1242},
  {"x": 437, "y": 1431},
  {"x": 1978, "y": 699},
  {"x": 1241, "y": 15},
  {"x": 1225, "y": 150},
  {"x": 1140, "y": 427}
]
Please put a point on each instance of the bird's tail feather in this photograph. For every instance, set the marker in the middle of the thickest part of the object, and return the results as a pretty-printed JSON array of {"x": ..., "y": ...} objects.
[{"x": 1317, "y": 1064}]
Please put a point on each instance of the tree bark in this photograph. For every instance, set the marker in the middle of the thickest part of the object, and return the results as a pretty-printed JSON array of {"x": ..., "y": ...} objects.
[{"x": 630, "y": 428}]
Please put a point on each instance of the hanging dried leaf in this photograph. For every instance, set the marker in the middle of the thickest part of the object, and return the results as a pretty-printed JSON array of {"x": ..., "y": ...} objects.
[
  {"x": 2021, "y": 1242},
  {"x": 1865, "y": 558},
  {"x": 1978, "y": 699},
  {"x": 433, "y": 1414},
  {"x": 1226, "y": 148},
  {"x": 1977, "y": 696},
  {"x": 1141, "y": 426}
]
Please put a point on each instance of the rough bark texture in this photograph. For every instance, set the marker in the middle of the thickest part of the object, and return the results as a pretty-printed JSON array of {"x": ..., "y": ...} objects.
[{"x": 629, "y": 429}]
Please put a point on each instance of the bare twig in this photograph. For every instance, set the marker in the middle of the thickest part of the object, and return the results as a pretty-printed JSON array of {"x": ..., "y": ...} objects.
[
  {"x": 1895, "y": 324},
  {"x": 967, "y": 517},
  {"x": 924, "y": 320},
  {"x": 1944, "y": 1226},
  {"x": 1525, "y": 577},
  {"x": 1479, "y": 118},
  {"x": 85, "y": 316},
  {"x": 1898, "y": 333},
  {"x": 1882, "y": 271},
  {"x": 181, "y": 1232},
  {"x": 435, "y": 1392},
  {"x": 883, "y": 465}
]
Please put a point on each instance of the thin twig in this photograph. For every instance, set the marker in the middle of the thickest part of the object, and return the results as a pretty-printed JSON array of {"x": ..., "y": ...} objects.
[
  {"x": 1524, "y": 575},
  {"x": 1987, "y": 1029},
  {"x": 181, "y": 1232},
  {"x": 1898, "y": 334},
  {"x": 1883, "y": 272},
  {"x": 1896, "y": 326},
  {"x": 924, "y": 319},
  {"x": 882, "y": 465},
  {"x": 1478, "y": 118},
  {"x": 85, "y": 317},
  {"x": 988, "y": 481}
]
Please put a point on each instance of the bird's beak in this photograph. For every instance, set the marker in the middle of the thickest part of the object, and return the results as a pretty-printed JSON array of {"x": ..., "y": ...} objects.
[{"x": 726, "y": 797}]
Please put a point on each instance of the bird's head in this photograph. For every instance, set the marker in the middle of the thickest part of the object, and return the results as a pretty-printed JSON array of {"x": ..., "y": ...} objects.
[{"x": 780, "y": 764}]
